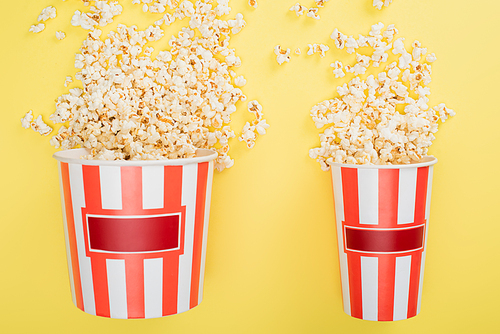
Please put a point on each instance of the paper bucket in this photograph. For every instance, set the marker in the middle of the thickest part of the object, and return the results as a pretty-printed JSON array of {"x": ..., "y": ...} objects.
[
  {"x": 382, "y": 215},
  {"x": 136, "y": 233}
]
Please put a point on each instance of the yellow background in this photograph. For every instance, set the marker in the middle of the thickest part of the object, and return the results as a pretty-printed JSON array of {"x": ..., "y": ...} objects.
[{"x": 272, "y": 253}]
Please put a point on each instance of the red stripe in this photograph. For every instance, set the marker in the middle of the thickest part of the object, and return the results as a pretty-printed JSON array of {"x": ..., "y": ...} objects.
[
  {"x": 170, "y": 284},
  {"x": 416, "y": 258},
  {"x": 386, "y": 282},
  {"x": 201, "y": 194},
  {"x": 355, "y": 287},
  {"x": 351, "y": 216},
  {"x": 100, "y": 280},
  {"x": 131, "y": 184},
  {"x": 70, "y": 223},
  {"x": 173, "y": 187},
  {"x": 388, "y": 188},
  {"x": 92, "y": 187},
  {"x": 134, "y": 273},
  {"x": 388, "y": 185},
  {"x": 172, "y": 197}
]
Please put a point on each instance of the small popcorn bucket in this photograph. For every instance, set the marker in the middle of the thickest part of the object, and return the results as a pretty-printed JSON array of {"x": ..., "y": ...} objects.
[
  {"x": 136, "y": 233},
  {"x": 382, "y": 215}
]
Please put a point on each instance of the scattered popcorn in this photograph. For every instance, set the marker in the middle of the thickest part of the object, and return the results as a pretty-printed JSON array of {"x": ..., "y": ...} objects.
[
  {"x": 253, "y": 3},
  {"x": 317, "y": 48},
  {"x": 36, "y": 28},
  {"x": 282, "y": 55},
  {"x": 101, "y": 14},
  {"x": 133, "y": 107},
  {"x": 338, "y": 69},
  {"x": 67, "y": 81},
  {"x": 313, "y": 12},
  {"x": 298, "y": 9},
  {"x": 257, "y": 127},
  {"x": 363, "y": 124},
  {"x": 26, "y": 120},
  {"x": 60, "y": 35},
  {"x": 240, "y": 81},
  {"x": 37, "y": 125},
  {"x": 351, "y": 44},
  {"x": 339, "y": 38},
  {"x": 297, "y": 51},
  {"x": 430, "y": 58},
  {"x": 47, "y": 13},
  {"x": 320, "y": 3},
  {"x": 379, "y": 3},
  {"x": 237, "y": 24}
]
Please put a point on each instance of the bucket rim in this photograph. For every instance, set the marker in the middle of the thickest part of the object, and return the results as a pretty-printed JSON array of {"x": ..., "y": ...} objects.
[
  {"x": 424, "y": 162},
  {"x": 73, "y": 156}
]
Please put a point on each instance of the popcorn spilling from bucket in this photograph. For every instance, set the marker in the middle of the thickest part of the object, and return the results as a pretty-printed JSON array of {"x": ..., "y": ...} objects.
[
  {"x": 134, "y": 106},
  {"x": 382, "y": 118}
]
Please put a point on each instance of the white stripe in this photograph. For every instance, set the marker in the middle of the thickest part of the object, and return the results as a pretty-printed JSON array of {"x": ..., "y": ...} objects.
[
  {"x": 369, "y": 286},
  {"x": 152, "y": 187},
  {"x": 427, "y": 213},
  {"x": 153, "y": 287},
  {"x": 189, "y": 182},
  {"x": 66, "y": 238},
  {"x": 339, "y": 217},
  {"x": 402, "y": 287},
  {"x": 111, "y": 187},
  {"x": 78, "y": 198},
  {"x": 406, "y": 195},
  {"x": 368, "y": 196},
  {"x": 205, "y": 229},
  {"x": 117, "y": 287}
]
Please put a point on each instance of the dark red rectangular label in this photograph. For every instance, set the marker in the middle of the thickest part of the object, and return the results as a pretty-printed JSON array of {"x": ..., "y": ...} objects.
[
  {"x": 384, "y": 240},
  {"x": 133, "y": 234}
]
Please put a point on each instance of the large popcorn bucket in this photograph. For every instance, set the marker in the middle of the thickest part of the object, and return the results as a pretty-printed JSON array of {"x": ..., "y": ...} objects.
[
  {"x": 136, "y": 233},
  {"x": 382, "y": 215}
]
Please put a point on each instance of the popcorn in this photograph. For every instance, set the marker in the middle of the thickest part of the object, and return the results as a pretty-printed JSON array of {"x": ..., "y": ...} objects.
[
  {"x": 60, "y": 35},
  {"x": 339, "y": 38},
  {"x": 36, "y": 28},
  {"x": 282, "y": 55},
  {"x": 297, "y": 51},
  {"x": 47, "y": 13},
  {"x": 363, "y": 124},
  {"x": 379, "y": 3},
  {"x": 133, "y": 107},
  {"x": 26, "y": 120},
  {"x": 257, "y": 127},
  {"x": 338, "y": 69},
  {"x": 67, "y": 81},
  {"x": 317, "y": 48},
  {"x": 37, "y": 125},
  {"x": 430, "y": 58},
  {"x": 101, "y": 14},
  {"x": 320, "y": 3},
  {"x": 298, "y": 9},
  {"x": 253, "y": 3},
  {"x": 313, "y": 12},
  {"x": 240, "y": 81}
]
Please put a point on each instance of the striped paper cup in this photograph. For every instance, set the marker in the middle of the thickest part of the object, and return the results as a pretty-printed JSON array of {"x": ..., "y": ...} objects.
[
  {"x": 136, "y": 233},
  {"x": 382, "y": 215}
]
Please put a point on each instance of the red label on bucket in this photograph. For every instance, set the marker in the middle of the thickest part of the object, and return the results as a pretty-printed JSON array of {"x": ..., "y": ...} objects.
[
  {"x": 372, "y": 240},
  {"x": 135, "y": 234}
]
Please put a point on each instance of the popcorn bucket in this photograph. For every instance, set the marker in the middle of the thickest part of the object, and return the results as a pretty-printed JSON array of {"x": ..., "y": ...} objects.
[
  {"x": 136, "y": 233},
  {"x": 382, "y": 217}
]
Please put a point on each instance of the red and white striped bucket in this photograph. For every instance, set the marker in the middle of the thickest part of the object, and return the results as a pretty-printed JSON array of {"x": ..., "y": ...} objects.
[
  {"x": 382, "y": 215},
  {"x": 136, "y": 233}
]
